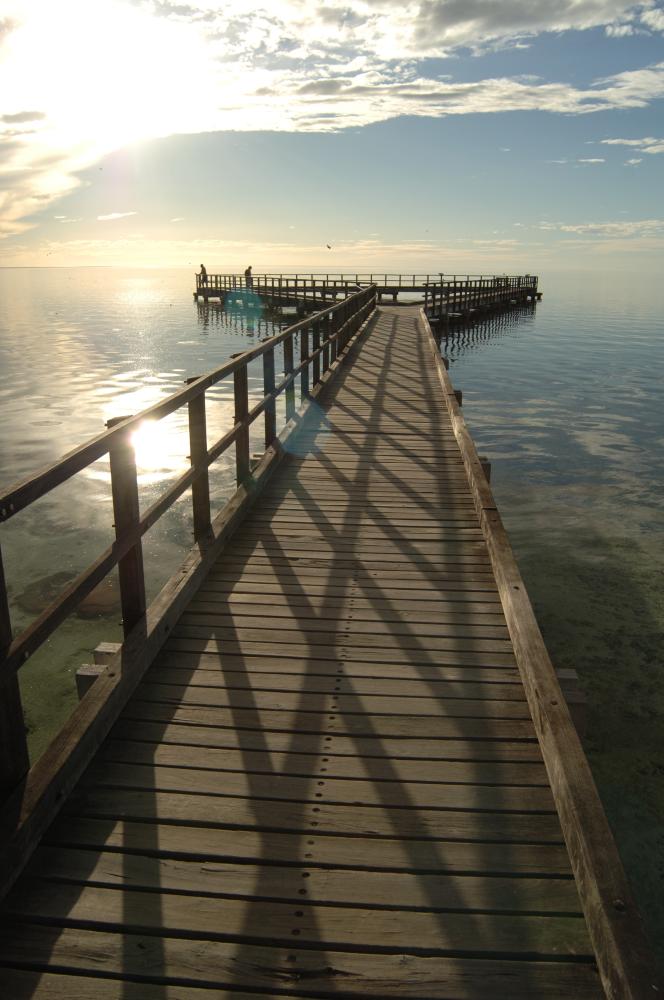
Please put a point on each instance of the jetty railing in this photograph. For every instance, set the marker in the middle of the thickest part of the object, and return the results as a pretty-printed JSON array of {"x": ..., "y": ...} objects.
[
  {"x": 322, "y": 337},
  {"x": 445, "y": 295},
  {"x": 231, "y": 281}
]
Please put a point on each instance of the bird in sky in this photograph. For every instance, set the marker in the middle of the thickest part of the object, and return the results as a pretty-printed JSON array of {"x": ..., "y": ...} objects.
[{"x": 328, "y": 246}]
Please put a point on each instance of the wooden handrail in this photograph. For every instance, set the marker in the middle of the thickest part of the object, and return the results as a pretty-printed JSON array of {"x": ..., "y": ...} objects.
[
  {"x": 130, "y": 525},
  {"x": 624, "y": 958},
  {"x": 230, "y": 280}
]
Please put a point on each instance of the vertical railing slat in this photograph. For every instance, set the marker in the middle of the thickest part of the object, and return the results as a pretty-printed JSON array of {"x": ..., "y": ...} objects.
[
  {"x": 288, "y": 368},
  {"x": 200, "y": 488},
  {"x": 304, "y": 357},
  {"x": 126, "y": 514},
  {"x": 270, "y": 407},
  {"x": 241, "y": 393}
]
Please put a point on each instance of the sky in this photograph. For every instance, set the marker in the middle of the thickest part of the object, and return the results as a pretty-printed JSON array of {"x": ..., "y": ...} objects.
[{"x": 438, "y": 135}]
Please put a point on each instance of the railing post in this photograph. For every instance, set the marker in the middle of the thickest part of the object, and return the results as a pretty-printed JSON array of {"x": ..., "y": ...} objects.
[
  {"x": 126, "y": 513},
  {"x": 315, "y": 337},
  {"x": 288, "y": 368},
  {"x": 14, "y": 760},
  {"x": 304, "y": 357},
  {"x": 327, "y": 329},
  {"x": 334, "y": 344},
  {"x": 200, "y": 488},
  {"x": 241, "y": 391},
  {"x": 270, "y": 407}
]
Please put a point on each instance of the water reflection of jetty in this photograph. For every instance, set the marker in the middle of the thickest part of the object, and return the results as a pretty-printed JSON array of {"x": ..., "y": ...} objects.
[
  {"x": 469, "y": 335},
  {"x": 250, "y": 322}
]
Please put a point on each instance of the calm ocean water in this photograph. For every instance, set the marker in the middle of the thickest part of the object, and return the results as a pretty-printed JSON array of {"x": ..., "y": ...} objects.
[{"x": 564, "y": 400}]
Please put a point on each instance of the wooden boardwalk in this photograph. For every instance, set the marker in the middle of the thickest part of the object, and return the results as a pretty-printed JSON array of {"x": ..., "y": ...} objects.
[{"x": 328, "y": 783}]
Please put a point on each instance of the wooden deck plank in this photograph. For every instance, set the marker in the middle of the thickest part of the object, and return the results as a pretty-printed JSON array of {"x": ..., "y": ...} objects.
[
  {"x": 209, "y": 844},
  {"x": 340, "y": 705},
  {"x": 350, "y": 820},
  {"x": 298, "y": 971},
  {"x": 335, "y": 927},
  {"x": 330, "y": 726},
  {"x": 184, "y": 769},
  {"x": 379, "y": 890},
  {"x": 237, "y": 667},
  {"x": 502, "y": 689},
  {"x": 293, "y": 762},
  {"x": 400, "y": 755}
]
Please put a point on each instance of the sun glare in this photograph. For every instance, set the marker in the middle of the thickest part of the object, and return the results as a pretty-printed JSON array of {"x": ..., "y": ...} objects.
[
  {"x": 106, "y": 73},
  {"x": 160, "y": 450}
]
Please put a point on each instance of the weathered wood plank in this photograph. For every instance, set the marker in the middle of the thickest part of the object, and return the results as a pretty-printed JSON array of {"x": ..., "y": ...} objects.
[
  {"x": 421, "y": 754},
  {"x": 313, "y": 851},
  {"x": 304, "y": 683},
  {"x": 431, "y": 644},
  {"x": 402, "y": 890},
  {"x": 298, "y": 971},
  {"x": 294, "y": 762},
  {"x": 329, "y": 725},
  {"x": 421, "y": 632},
  {"x": 415, "y": 932},
  {"x": 238, "y": 667},
  {"x": 321, "y": 817},
  {"x": 340, "y": 705}
]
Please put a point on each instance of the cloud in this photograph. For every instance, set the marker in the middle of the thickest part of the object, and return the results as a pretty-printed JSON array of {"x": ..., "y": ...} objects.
[
  {"x": 647, "y": 145},
  {"x": 635, "y": 229},
  {"x": 454, "y": 23},
  {"x": 633, "y": 162},
  {"x": 594, "y": 159},
  {"x": 284, "y": 66},
  {"x": 23, "y": 116},
  {"x": 620, "y": 30},
  {"x": 112, "y": 216},
  {"x": 653, "y": 19}
]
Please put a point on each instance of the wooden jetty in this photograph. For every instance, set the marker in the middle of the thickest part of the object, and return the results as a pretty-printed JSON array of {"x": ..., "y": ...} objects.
[
  {"x": 332, "y": 758},
  {"x": 445, "y": 297}
]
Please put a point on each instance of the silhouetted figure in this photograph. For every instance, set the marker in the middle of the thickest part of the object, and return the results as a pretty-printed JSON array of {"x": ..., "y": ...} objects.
[
  {"x": 203, "y": 275},
  {"x": 248, "y": 279}
]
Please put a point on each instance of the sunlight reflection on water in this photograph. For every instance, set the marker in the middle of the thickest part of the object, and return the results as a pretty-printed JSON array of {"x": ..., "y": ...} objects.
[{"x": 79, "y": 347}]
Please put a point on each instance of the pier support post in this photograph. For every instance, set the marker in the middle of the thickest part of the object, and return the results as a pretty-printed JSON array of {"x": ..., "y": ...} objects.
[
  {"x": 124, "y": 485},
  {"x": 14, "y": 760}
]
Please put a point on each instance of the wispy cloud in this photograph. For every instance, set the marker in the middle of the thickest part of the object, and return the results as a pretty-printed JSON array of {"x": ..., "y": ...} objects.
[
  {"x": 647, "y": 145},
  {"x": 112, "y": 216},
  {"x": 634, "y": 162},
  {"x": 592, "y": 159},
  {"x": 635, "y": 229}
]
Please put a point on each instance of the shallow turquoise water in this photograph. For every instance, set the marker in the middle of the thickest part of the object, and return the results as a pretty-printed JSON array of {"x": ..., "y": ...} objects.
[{"x": 564, "y": 400}]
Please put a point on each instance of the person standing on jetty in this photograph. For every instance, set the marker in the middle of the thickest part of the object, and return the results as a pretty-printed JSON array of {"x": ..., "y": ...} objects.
[
  {"x": 248, "y": 279},
  {"x": 203, "y": 275}
]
